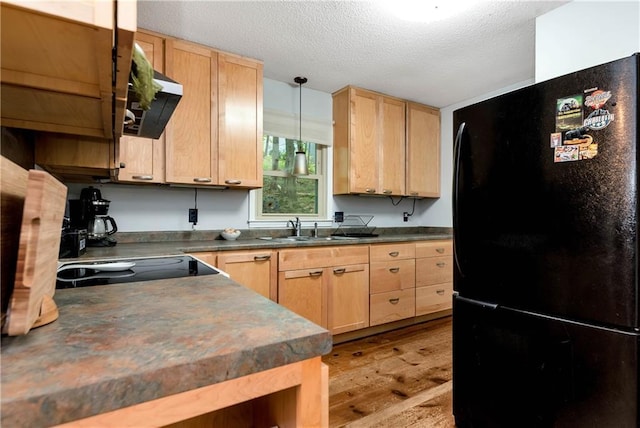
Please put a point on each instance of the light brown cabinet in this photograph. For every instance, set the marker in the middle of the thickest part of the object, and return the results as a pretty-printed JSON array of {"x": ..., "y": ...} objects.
[
  {"x": 384, "y": 145},
  {"x": 57, "y": 62},
  {"x": 215, "y": 134},
  {"x": 191, "y": 134},
  {"x": 255, "y": 269},
  {"x": 393, "y": 282},
  {"x": 333, "y": 295},
  {"x": 434, "y": 276},
  {"x": 142, "y": 160},
  {"x": 423, "y": 151},
  {"x": 369, "y": 139}
]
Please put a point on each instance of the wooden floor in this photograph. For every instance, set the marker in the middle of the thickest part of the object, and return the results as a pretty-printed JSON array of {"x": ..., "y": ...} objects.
[{"x": 397, "y": 379}]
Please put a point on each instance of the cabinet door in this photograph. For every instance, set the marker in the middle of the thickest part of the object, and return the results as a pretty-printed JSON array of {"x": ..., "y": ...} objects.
[
  {"x": 191, "y": 135},
  {"x": 304, "y": 292},
  {"x": 391, "y": 159},
  {"x": 365, "y": 137},
  {"x": 423, "y": 151},
  {"x": 253, "y": 269},
  {"x": 142, "y": 159},
  {"x": 240, "y": 122},
  {"x": 348, "y": 302}
]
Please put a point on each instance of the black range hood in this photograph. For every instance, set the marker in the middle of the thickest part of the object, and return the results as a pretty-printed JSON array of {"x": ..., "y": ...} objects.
[{"x": 151, "y": 123}]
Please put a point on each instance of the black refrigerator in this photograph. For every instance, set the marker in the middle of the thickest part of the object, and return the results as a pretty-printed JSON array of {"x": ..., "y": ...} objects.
[{"x": 545, "y": 216}]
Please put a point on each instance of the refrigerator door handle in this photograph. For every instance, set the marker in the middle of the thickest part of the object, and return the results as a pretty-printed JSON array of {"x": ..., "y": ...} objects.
[
  {"x": 456, "y": 172},
  {"x": 485, "y": 305}
]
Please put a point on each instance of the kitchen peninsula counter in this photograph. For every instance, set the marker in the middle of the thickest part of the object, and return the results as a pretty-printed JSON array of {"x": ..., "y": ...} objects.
[{"x": 120, "y": 345}]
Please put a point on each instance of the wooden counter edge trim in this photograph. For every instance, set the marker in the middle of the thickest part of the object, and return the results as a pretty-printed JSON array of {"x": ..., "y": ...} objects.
[{"x": 309, "y": 376}]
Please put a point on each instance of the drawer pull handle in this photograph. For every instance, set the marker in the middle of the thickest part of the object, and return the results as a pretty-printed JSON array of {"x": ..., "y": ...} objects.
[
  {"x": 440, "y": 250},
  {"x": 370, "y": 190},
  {"x": 142, "y": 177},
  {"x": 394, "y": 301},
  {"x": 232, "y": 181},
  {"x": 394, "y": 254},
  {"x": 387, "y": 191},
  {"x": 261, "y": 258},
  {"x": 441, "y": 264},
  {"x": 202, "y": 180},
  {"x": 315, "y": 273},
  {"x": 413, "y": 194},
  {"x": 440, "y": 292},
  {"x": 394, "y": 270},
  {"x": 339, "y": 271}
]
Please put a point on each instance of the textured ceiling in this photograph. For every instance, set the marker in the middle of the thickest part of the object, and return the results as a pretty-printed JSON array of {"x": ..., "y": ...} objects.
[{"x": 488, "y": 46}]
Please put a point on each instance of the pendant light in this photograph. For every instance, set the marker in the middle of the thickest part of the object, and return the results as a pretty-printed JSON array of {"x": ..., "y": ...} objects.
[{"x": 300, "y": 161}]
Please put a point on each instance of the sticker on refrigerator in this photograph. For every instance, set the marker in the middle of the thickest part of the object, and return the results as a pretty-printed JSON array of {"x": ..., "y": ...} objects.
[
  {"x": 566, "y": 153},
  {"x": 597, "y": 99},
  {"x": 569, "y": 113},
  {"x": 598, "y": 119},
  {"x": 556, "y": 139}
]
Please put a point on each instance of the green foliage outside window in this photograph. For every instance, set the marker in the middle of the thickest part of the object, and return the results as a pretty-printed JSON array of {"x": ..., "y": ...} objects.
[{"x": 283, "y": 193}]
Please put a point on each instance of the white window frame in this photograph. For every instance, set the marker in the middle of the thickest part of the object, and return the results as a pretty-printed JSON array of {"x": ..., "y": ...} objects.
[{"x": 282, "y": 124}]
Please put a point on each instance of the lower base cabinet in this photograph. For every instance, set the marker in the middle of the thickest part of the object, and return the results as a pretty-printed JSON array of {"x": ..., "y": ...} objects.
[
  {"x": 392, "y": 306},
  {"x": 334, "y": 296},
  {"x": 434, "y": 276}
]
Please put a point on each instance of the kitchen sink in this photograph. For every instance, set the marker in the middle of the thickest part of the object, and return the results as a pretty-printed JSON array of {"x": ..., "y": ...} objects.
[{"x": 306, "y": 238}]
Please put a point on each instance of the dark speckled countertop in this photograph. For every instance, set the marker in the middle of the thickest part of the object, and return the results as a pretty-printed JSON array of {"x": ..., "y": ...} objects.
[{"x": 120, "y": 345}]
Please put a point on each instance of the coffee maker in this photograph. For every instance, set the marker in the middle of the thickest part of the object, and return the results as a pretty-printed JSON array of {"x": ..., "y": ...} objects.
[{"x": 90, "y": 213}]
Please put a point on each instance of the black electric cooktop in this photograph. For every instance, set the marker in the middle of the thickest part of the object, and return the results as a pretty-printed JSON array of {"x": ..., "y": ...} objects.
[{"x": 116, "y": 271}]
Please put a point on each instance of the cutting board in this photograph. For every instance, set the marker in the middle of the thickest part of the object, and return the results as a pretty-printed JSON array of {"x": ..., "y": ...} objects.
[{"x": 32, "y": 302}]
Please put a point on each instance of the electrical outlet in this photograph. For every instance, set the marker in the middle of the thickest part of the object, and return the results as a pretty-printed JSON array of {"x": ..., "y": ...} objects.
[
  {"x": 405, "y": 216},
  {"x": 193, "y": 215},
  {"x": 338, "y": 216}
]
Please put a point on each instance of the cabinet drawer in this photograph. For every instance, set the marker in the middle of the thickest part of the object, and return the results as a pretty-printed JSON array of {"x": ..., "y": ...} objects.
[
  {"x": 385, "y": 252},
  {"x": 392, "y": 306},
  {"x": 433, "y": 298},
  {"x": 434, "y": 270},
  {"x": 322, "y": 257},
  {"x": 394, "y": 275},
  {"x": 434, "y": 248}
]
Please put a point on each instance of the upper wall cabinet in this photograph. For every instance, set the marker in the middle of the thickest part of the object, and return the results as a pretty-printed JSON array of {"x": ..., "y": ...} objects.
[
  {"x": 141, "y": 160},
  {"x": 215, "y": 134},
  {"x": 423, "y": 151},
  {"x": 57, "y": 65},
  {"x": 384, "y": 145},
  {"x": 368, "y": 143}
]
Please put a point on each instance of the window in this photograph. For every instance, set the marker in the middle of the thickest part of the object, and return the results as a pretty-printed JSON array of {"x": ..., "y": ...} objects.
[{"x": 284, "y": 195}]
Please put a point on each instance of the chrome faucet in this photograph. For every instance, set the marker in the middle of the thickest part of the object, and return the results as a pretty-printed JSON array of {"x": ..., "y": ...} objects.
[{"x": 297, "y": 226}]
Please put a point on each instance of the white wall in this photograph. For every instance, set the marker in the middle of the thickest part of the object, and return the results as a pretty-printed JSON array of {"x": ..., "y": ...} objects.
[{"x": 585, "y": 33}]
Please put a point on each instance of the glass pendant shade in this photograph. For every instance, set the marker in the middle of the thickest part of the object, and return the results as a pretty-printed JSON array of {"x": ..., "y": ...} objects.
[{"x": 300, "y": 164}]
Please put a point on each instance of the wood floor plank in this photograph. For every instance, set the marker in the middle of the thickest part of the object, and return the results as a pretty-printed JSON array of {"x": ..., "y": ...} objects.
[{"x": 380, "y": 374}]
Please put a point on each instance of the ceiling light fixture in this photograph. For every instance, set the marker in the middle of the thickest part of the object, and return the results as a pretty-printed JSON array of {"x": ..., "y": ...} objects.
[
  {"x": 425, "y": 10},
  {"x": 300, "y": 161}
]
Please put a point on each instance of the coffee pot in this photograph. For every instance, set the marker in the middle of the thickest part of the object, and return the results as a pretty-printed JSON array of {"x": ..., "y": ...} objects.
[{"x": 101, "y": 226}]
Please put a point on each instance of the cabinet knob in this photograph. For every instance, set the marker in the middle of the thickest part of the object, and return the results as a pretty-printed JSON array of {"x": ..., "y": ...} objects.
[
  {"x": 142, "y": 177},
  {"x": 122, "y": 165},
  {"x": 232, "y": 181},
  {"x": 202, "y": 180},
  {"x": 440, "y": 250},
  {"x": 440, "y": 292},
  {"x": 261, "y": 258},
  {"x": 394, "y": 301},
  {"x": 394, "y": 254},
  {"x": 441, "y": 264},
  {"x": 315, "y": 273},
  {"x": 394, "y": 270}
]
